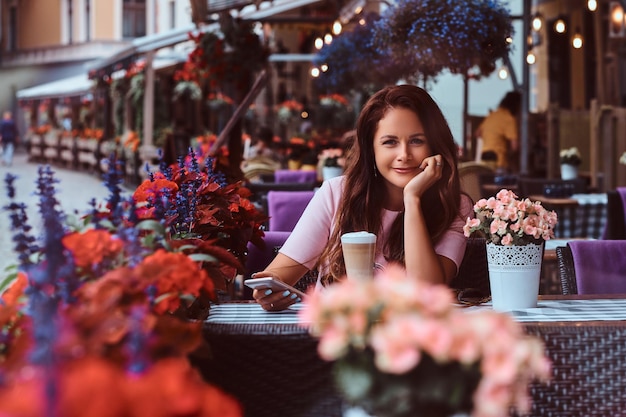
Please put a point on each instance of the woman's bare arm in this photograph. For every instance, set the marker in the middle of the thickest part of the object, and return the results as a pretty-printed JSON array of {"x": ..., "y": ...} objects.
[{"x": 285, "y": 269}]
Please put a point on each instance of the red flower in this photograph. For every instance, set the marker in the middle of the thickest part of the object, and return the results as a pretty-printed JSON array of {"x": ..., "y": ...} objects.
[
  {"x": 91, "y": 247},
  {"x": 174, "y": 274}
]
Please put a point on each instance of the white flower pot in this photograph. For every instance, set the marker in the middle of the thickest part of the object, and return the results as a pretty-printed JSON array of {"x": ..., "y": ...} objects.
[
  {"x": 569, "y": 172},
  {"x": 331, "y": 172},
  {"x": 514, "y": 273}
]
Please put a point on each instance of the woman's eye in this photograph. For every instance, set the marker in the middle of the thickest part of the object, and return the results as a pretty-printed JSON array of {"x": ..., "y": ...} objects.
[
  {"x": 417, "y": 141},
  {"x": 389, "y": 142}
]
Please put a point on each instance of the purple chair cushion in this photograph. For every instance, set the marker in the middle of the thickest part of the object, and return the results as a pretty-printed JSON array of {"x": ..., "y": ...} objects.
[
  {"x": 600, "y": 266},
  {"x": 260, "y": 257},
  {"x": 285, "y": 208},
  {"x": 287, "y": 175}
]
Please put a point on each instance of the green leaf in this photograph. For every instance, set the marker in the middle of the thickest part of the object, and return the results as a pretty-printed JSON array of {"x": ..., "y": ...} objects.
[
  {"x": 202, "y": 257},
  {"x": 151, "y": 225},
  {"x": 9, "y": 278}
]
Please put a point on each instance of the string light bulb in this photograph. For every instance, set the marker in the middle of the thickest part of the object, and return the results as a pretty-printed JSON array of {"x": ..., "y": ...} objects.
[
  {"x": 328, "y": 39},
  {"x": 559, "y": 25},
  {"x": 531, "y": 58},
  {"x": 592, "y": 5},
  {"x": 319, "y": 42},
  {"x": 577, "y": 40},
  {"x": 503, "y": 73},
  {"x": 537, "y": 23},
  {"x": 315, "y": 72},
  {"x": 337, "y": 27}
]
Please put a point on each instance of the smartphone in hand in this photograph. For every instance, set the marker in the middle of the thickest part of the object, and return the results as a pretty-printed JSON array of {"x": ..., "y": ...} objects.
[{"x": 274, "y": 284}]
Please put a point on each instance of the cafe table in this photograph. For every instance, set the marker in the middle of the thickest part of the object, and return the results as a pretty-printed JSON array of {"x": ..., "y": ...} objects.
[
  {"x": 268, "y": 361},
  {"x": 579, "y": 215}
]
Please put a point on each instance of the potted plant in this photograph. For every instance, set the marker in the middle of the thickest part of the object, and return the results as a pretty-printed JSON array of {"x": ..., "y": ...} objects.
[
  {"x": 331, "y": 161},
  {"x": 401, "y": 348},
  {"x": 515, "y": 230},
  {"x": 93, "y": 315},
  {"x": 570, "y": 160}
]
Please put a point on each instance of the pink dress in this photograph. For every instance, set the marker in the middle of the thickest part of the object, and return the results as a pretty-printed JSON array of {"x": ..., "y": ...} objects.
[{"x": 311, "y": 233}]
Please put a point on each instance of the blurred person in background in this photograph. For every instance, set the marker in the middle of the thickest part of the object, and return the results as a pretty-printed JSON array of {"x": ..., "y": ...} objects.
[
  {"x": 499, "y": 133},
  {"x": 8, "y": 138}
]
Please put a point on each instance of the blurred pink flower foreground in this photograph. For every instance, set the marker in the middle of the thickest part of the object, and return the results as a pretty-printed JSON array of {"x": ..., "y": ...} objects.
[{"x": 402, "y": 319}]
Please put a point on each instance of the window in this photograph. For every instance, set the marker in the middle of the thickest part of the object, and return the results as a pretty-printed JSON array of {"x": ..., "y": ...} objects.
[
  {"x": 134, "y": 18},
  {"x": 12, "y": 41},
  {"x": 172, "y": 14},
  {"x": 70, "y": 22},
  {"x": 87, "y": 20}
]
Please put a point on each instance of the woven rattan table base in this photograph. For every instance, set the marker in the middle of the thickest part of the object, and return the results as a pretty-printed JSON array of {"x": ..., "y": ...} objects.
[{"x": 274, "y": 370}]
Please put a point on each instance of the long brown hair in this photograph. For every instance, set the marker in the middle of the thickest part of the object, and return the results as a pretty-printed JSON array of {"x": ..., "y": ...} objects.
[{"x": 361, "y": 204}]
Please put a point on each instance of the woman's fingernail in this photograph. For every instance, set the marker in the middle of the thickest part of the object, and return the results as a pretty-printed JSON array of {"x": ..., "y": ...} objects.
[
  {"x": 286, "y": 293},
  {"x": 294, "y": 296},
  {"x": 253, "y": 275},
  {"x": 299, "y": 300},
  {"x": 268, "y": 292}
]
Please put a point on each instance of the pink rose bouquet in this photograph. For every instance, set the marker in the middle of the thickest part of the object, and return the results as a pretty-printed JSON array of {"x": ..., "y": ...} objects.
[
  {"x": 401, "y": 348},
  {"x": 506, "y": 220}
]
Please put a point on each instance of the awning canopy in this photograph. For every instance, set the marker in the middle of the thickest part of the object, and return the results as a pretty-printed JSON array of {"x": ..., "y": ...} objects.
[
  {"x": 66, "y": 87},
  {"x": 142, "y": 45},
  {"x": 172, "y": 37},
  {"x": 271, "y": 8},
  {"x": 77, "y": 85}
]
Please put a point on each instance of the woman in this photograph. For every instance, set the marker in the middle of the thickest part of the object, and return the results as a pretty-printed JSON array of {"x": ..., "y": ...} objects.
[{"x": 400, "y": 183}]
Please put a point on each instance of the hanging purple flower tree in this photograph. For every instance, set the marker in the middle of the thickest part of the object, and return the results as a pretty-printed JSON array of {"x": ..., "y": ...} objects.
[
  {"x": 354, "y": 63},
  {"x": 424, "y": 37}
]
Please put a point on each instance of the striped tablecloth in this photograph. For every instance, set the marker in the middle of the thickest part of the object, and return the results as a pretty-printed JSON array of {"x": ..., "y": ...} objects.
[{"x": 546, "y": 311}]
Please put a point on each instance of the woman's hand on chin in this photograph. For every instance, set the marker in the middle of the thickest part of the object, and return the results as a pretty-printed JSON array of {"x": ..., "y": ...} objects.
[{"x": 431, "y": 173}]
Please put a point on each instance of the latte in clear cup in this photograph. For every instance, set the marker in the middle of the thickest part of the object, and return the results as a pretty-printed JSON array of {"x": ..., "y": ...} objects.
[{"x": 359, "y": 250}]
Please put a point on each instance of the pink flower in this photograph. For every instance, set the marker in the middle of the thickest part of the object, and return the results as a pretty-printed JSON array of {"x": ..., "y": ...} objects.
[
  {"x": 401, "y": 319},
  {"x": 507, "y": 240},
  {"x": 333, "y": 343},
  {"x": 521, "y": 221}
]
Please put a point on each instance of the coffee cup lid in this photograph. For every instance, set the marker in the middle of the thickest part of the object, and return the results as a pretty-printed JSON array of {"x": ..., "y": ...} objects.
[{"x": 359, "y": 237}]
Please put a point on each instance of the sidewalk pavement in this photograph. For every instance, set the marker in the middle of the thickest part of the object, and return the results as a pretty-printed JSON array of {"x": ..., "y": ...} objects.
[{"x": 74, "y": 191}]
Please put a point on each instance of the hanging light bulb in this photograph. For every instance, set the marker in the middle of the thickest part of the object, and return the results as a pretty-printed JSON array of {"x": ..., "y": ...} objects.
[
  {"x": 328, "y": 39},
  {"x": 530, "y": 58},
  {"x": 592, "y": 5},
  {"x": 319, "y": 42},
  {"x": 503, "y": 73},
  {"x": 537, "y": 22},
  {"x": 559, "y": 25},
  {"x": 337, "y": 28},
  {"x": 315, "y": 72},
  {"x": 324, "y": 67},
  {"x": 577, "y": 40}
]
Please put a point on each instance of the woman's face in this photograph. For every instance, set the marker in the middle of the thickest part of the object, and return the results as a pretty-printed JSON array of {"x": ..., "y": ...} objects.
[{"x": 400, "y": 146}]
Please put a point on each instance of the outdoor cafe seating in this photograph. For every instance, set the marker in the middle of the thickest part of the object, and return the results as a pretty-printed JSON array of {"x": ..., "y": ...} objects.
[
  {"x": 616, "y": 214},
  {"x": 270, "y": 362},
  {"x": 592, "y": 267}
]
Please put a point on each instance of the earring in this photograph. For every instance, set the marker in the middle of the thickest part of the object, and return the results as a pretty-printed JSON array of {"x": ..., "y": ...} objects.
[{"x": 375, "y": 171}]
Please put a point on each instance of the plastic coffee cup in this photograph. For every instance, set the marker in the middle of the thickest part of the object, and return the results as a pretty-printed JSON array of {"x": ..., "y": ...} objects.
[{"x": 359, "y": 250}]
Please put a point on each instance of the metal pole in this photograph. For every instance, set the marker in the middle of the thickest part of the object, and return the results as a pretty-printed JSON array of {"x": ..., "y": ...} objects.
[{"x": 524, "y": 146}]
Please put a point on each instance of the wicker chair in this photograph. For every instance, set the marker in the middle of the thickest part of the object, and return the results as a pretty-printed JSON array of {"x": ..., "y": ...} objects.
[
  {"x": 600, "y": 267},
  {"x": 567, "y": 274},
  {"x": 529, "y": 186},
  {"x": 472, "y": 175},
  {"x": 615, "y": 228}
]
